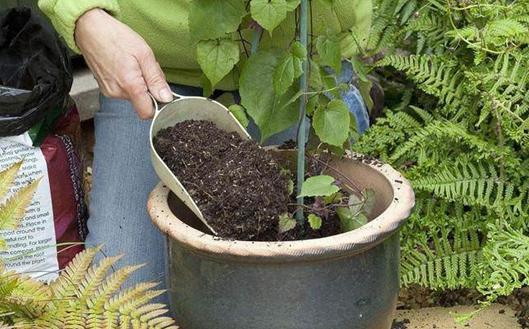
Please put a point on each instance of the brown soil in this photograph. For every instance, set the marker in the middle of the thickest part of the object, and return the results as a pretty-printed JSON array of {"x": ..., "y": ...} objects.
[
  {"x": 237, "y": 185},
  {"x": 519, "y": 301},
  {"x": 400, "y": 324}
]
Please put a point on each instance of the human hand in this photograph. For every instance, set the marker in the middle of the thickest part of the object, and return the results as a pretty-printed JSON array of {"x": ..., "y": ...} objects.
[{"x": 121, "y": 61}]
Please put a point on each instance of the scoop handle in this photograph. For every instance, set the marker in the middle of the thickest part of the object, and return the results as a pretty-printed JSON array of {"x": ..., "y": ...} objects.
[{"x": 157, "y": 106}]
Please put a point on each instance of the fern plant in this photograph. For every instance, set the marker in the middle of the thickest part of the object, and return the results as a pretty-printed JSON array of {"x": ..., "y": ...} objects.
[
  {"x": 12, "y": 210},
  {"x": 84, "y": 295},
  {"x": 457, "y": 124}
]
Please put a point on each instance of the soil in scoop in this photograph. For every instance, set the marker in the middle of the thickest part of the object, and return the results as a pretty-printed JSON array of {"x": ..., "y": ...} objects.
[{"x": 237, "y": 185}]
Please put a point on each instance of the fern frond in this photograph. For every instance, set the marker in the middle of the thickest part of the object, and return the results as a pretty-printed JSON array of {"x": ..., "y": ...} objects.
[
  {"x": 446, "y": 247},
  {"x": 429, "y": 29},
  {"x": 449, "y": 269},
  {"x": 450, "y": 132},
  {"x": 502, "y": 31},
  {"x": 12, "y": 212},
  {"x": 66, "y": 285},
  {"x": 469, "y": 183},
  {"x": 136, "y": 292},
  {"x": 111, "y": 284},
  {"x": 435, "y": 75},
  {"x": 84, "y": 296},
  {"x": 7, "y": 177},
  {"x": 23, "y": 296},
  {"x": 506, "y": 264},
  {"x": 94, "y": 277},
  {"x": 425, "y": 116}
]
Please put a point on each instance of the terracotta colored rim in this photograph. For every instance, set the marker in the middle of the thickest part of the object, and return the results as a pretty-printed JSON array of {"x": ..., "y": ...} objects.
[{"x": 341, "y": 245}]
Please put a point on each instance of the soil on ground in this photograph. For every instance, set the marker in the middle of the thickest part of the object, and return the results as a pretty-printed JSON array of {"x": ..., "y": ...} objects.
[
  {"x": 416, "y": 297},
  {"x": 401, "y": 324},
  {"x": 238, "y": 186}
]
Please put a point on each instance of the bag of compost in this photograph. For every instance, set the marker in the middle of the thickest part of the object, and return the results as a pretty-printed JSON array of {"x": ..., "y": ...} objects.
[{"x": 40, "y": 125}]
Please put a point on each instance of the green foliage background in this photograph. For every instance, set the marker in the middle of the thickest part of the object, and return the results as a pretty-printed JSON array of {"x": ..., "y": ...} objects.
[{"x": 456, "y": 123}]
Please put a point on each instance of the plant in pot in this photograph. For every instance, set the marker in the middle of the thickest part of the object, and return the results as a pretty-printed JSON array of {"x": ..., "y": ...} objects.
[{"x": 318, "y": 250}]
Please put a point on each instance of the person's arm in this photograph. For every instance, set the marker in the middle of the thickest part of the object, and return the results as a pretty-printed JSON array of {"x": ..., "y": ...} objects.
[{"x": 120, "y": 59}]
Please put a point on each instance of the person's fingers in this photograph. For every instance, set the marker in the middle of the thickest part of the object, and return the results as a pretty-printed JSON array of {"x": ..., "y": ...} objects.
[
  {"x": 133, "y": 85},
  {"x": 141, "y": 101},
  {"x": 154, "y": 77}
]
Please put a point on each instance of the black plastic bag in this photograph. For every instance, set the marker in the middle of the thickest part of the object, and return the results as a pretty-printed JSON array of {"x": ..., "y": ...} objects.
[{"x": 35, "y": 71}]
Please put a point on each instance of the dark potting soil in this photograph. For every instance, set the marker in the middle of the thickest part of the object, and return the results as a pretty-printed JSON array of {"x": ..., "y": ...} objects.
[{"x": 237, "y": 185}]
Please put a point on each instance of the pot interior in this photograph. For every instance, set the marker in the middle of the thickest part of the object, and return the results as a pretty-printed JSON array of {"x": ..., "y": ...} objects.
[{"x": 358, "y": 171}]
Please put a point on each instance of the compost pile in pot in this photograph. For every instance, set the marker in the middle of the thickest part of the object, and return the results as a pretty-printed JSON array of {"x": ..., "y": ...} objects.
[{"x": 238, "y": 186}]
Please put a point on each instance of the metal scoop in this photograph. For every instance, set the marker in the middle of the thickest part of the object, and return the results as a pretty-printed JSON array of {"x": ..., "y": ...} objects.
[{"x": 184, "y": 108}]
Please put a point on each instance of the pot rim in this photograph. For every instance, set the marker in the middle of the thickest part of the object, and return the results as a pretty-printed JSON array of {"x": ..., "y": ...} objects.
[{"x": 340, "y": 245}]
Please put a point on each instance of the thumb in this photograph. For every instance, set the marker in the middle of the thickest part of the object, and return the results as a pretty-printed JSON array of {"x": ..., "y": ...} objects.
[{"x": 155, "y": 78}]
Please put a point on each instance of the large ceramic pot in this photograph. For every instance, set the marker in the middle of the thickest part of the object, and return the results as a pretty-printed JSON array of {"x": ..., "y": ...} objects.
[{"x": 347, "y": 281}]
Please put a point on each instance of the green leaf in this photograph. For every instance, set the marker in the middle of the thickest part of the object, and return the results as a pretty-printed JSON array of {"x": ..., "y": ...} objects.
[
  {"x": 315, "y": 79},
  {"x": 239, "y": 113},
  {"x": 7, "y": 178},
  {"x": 331, "y": 123},
  {"x": 12, "y": 212},
  {"x": 3, "y": 245},
  {"x": 365, "y": 92},
  {"x": 269, "y": 13},
  {"x": 321, "y": 185},
  {"x": 360, "y": 220},
  {"x": 329, "y": 50},
  {"x": 292, "y": 4},
  {"x": 290, "y": 187},
  {"x": 298, "y": 50},
  {"x": 217, "y": 58},
  {"x": 346, "y": 219},
  {"x": 271, "y": 113},
  {"x": 314, "y": 221},
  {"x": 355, "y": 204},
  {"x": 369, "y": 204},
  {"x": 289, "y": 69},
  {"x": 336, "y": 197},
  {"x": 286, "y": 223},
  {"x": 212, "y": 19},
  {"x": 329, "y": 81},
  {"x": 360, "y": 69},
  {"x": 350, "y": 221},
  {"x": 312, "y": 103}
]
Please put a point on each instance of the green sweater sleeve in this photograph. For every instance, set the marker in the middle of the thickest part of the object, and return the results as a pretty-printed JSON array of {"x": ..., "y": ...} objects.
[{"x": 64, "y": 14}]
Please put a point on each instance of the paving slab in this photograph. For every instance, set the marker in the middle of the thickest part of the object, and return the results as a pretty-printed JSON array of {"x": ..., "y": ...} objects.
[
  {"x": 85, "y": 92},
  {"x": 495, "y": 317}
]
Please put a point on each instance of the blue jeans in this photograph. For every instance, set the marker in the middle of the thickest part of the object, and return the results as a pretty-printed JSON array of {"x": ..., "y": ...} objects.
[{"x": 122, "y": 180}]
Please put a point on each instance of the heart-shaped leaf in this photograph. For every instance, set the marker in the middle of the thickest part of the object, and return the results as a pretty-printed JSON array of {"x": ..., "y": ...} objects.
[
  {"x": 321, "y": 185},
  {"x": 286, "y": 223},
  {"x": 217, "y": 58},
  {"x": 269, "y": 13},
  {"x": 331, "y": 123},
  {"x": 224, "y": 15},
  {"x": 314, "y": 221}
]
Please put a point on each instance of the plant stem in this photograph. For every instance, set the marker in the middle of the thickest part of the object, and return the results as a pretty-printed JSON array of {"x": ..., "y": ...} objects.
[{"x": 303, "y": 38}]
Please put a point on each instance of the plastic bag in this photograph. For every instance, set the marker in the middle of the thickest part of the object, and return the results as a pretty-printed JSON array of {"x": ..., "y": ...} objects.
[{"x": 35, "y": 71}]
